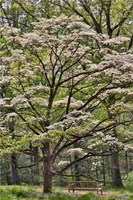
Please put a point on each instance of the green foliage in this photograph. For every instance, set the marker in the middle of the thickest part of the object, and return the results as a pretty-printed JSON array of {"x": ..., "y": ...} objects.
[
  {"x": 34, "y": 55},
  {"x": 7, "y": 197},
  {"x": 32, "y": 193},
  {"x": 131, "y": 197},
  {"x": 129, "y": 182},
  {"x": 17, "y": 191},
  {"x": 89, "y": 196},
  {"x": 60, "y": 196}
]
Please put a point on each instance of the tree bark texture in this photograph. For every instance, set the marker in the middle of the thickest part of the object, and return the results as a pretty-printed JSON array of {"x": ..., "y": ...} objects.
[
  {"x": 76, "y": 165},
  {"x": 47, "y": 168},
  {"x": 115, "y": 170},
  {"x": 15, "y": 177}
]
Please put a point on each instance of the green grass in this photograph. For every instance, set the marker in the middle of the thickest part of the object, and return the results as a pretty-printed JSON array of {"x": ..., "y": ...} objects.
[
  {"x": 33, "y": 193},
  {"x": 17, "y": 192}
]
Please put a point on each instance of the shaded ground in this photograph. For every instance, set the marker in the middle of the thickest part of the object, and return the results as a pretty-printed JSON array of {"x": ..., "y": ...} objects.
[
  {"x": 121, "y": 194},
  {"x": 59, "y": 193}
]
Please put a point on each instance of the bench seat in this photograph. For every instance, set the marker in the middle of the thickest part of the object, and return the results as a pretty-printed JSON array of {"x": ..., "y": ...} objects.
[{"x": 85, "y": 185}]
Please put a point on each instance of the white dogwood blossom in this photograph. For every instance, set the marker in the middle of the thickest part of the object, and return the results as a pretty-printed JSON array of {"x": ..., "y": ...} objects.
[
  {"x": 76, "y": 151},
  {"x": 65, "y": 83}
]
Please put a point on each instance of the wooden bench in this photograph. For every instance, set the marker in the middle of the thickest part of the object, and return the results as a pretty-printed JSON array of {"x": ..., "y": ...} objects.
[{"x": 85, "y": 185}]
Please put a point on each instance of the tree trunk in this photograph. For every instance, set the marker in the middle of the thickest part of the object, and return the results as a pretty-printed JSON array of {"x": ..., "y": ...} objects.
[
  {"x": 115, "y": 170},
  {"x": 6, "y": 170},
  {"x": 104, "y": 171},
  {"x": 34, "y": 169},
  {"x": 36, "y": 158},
  {"x": 130, "y": 163},
  {"x": 76, "y": 172},
  {"x": 15, "y": 177},
  {"x": 76, "y": 165},
  {"x": 47, "y": 168}
]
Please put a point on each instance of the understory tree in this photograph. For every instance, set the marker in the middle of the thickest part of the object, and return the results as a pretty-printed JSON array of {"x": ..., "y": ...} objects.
[
  {"x": 61, "y": 78},
  {"x": 112, "y": 17}
]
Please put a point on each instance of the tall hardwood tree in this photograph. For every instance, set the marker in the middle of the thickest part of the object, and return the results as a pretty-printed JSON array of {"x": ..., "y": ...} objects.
[
  {"x": 110, "y": 17},
  {"x": 59, "y": 76}
]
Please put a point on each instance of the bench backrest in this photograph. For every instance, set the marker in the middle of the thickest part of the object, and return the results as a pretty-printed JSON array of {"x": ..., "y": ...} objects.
[{"x": 83, "y": 184}]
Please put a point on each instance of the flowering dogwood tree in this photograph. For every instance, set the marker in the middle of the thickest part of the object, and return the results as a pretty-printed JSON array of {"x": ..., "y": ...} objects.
[{"x": 59, "y": 77}]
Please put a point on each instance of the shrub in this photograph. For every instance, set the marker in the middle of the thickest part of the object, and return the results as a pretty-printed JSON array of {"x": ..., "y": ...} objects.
[
  {"x": 129, "y": 182},
  {"x": 59, "y": 196},
  {"x": 19, "y": 191},
  {"x": 130, "y": 198},
  {"x": 7, "y": 197},
  {"x": 88, "y": 196},
  {"x": 16, "y": 191}
]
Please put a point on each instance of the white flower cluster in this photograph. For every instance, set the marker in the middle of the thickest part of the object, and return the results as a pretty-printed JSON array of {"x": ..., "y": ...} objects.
[
  {"x": 95, "y": 164},
  {"x": 63, "y": 164},
  {"x": 121, "y": 61},
  {"x": 128, "y": 147},
  {"x": 76, "y": 151},
  {"x": 112, "y": 142},
  {"x": 74, "y": 103},
  {"x": 116, "y": 41},
  {"x": 18, "y": 100},
  {"x": 121, "y": 107},
  {"x": 17, "y": 55},
  {"x": 108, "y": 142},
  {"x": 3, "y": 69},
  {"x": 117, "y": 90},
  {"x": 11, "y": 115},
  {"x": 3, "y": 129},
  {"x": 39, "y": 101},
  {"x": 26, "y": 72},
  {"x": 73, "y": 119},
  {"x": 99, "y": 134},
  {"x": 5, "y": 80},
  {"x": 37, "y": 89},
  {"x": 35, "y": 120},
  {"x": 2, "y": 102},
  {"x": 9, "y": 31},
  {"x": 92, "y": 146}
]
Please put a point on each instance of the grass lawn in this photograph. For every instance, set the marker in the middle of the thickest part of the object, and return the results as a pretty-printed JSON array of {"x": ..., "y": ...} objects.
[{"x": 35, "y": 193}]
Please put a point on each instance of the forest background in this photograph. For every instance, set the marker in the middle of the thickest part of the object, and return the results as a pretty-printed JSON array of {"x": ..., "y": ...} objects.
[{"x": 66, "y": 91}]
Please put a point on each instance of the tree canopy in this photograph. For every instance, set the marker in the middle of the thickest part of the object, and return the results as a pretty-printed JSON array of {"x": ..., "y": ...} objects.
[{"x": 66, "y": 79}]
